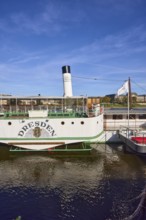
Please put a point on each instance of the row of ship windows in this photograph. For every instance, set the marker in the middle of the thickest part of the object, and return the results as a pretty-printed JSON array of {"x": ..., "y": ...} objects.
[
  {"x": 82, "y": 122},
  {"x": 131, "y": 116}
]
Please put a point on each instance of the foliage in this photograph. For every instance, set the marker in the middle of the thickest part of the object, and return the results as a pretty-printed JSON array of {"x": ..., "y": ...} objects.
[{"x": 105, "y": 99}]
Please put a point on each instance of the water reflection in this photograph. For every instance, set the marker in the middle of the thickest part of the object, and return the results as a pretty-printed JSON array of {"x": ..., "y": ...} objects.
[
  {"x": 96, "y": 186},
  {"x": 43, "y": 171}
]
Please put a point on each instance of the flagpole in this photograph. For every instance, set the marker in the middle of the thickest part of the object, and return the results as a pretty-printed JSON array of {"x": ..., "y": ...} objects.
[
  {"x": 126, "y": 88},
  {"x": 128, "y": 103},
  {"x": 129, "y": 100}
]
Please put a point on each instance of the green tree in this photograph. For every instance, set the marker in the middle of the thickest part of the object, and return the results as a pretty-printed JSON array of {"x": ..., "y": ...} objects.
[{"x": 105, "y": 100}]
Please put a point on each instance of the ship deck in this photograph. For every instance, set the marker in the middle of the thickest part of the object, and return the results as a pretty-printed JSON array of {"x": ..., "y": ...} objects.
[{"x": 18, "y": 115}]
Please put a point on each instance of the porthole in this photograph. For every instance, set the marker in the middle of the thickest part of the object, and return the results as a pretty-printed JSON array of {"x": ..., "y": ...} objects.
[
  {"x": 82, "y": 122},
  {"x": 72, "y": 122},
  {"x": 62, "y": 122},
  {"x": 9, "y": 123}
]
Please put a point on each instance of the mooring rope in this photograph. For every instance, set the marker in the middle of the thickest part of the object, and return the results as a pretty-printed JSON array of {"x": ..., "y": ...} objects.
[{"x": 141, "y": 206}]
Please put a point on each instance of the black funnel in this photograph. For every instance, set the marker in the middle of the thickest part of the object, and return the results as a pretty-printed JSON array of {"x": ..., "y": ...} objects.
[{"x": 66, "y": 69}]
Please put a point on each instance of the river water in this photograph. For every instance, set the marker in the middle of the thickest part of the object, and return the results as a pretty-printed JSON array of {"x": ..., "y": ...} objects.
[{"x": 102, "y": 185}]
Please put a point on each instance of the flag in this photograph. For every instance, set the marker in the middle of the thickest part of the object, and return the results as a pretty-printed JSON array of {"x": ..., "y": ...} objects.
[{"x": 124, "y": 89}]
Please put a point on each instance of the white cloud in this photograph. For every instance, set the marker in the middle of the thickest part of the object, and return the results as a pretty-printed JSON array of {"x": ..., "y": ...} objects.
[
  {"x": 52, "y": 18},
  {"x": 105, "y": 56}
]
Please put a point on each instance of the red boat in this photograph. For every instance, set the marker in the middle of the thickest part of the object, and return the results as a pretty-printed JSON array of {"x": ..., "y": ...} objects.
[{"x": 139, "y": 140}]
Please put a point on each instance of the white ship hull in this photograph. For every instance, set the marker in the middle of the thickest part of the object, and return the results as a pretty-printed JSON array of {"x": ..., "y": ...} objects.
[{"x": 47, "y": 133}]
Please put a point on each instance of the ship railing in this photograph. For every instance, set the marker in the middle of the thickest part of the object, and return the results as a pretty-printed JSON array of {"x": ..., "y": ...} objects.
[
  {"x": 52, "y": 112},
  {"x": 15, "y": 114},
  {"x": 127, "y": 131},
  {"x": 95, "y": 111},
  {"x": 136, "y": 135}
]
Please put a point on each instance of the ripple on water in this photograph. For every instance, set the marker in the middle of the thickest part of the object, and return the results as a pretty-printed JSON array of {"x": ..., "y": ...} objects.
[{"x": 98, "y": 187}]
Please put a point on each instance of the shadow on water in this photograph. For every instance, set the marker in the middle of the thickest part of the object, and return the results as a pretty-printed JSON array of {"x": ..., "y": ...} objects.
[
  {"x": 7, "y": 153},
  {"x": 102, "y": 184},
  {"x": 4, "y": 152}
]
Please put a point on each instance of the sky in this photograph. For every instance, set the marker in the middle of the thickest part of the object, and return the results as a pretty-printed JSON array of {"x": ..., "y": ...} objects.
[{"x": 103, "y": 41}]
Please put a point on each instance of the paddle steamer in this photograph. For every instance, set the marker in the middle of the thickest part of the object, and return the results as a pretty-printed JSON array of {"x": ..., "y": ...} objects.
[{"x": 49, "y": 123}]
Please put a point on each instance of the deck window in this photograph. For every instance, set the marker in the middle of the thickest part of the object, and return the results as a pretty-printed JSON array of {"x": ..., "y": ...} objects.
[
  {"x": 132, "y": 116},
  {"x": 117, "y": 116},
  {"x": 143, "y": 116}
]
